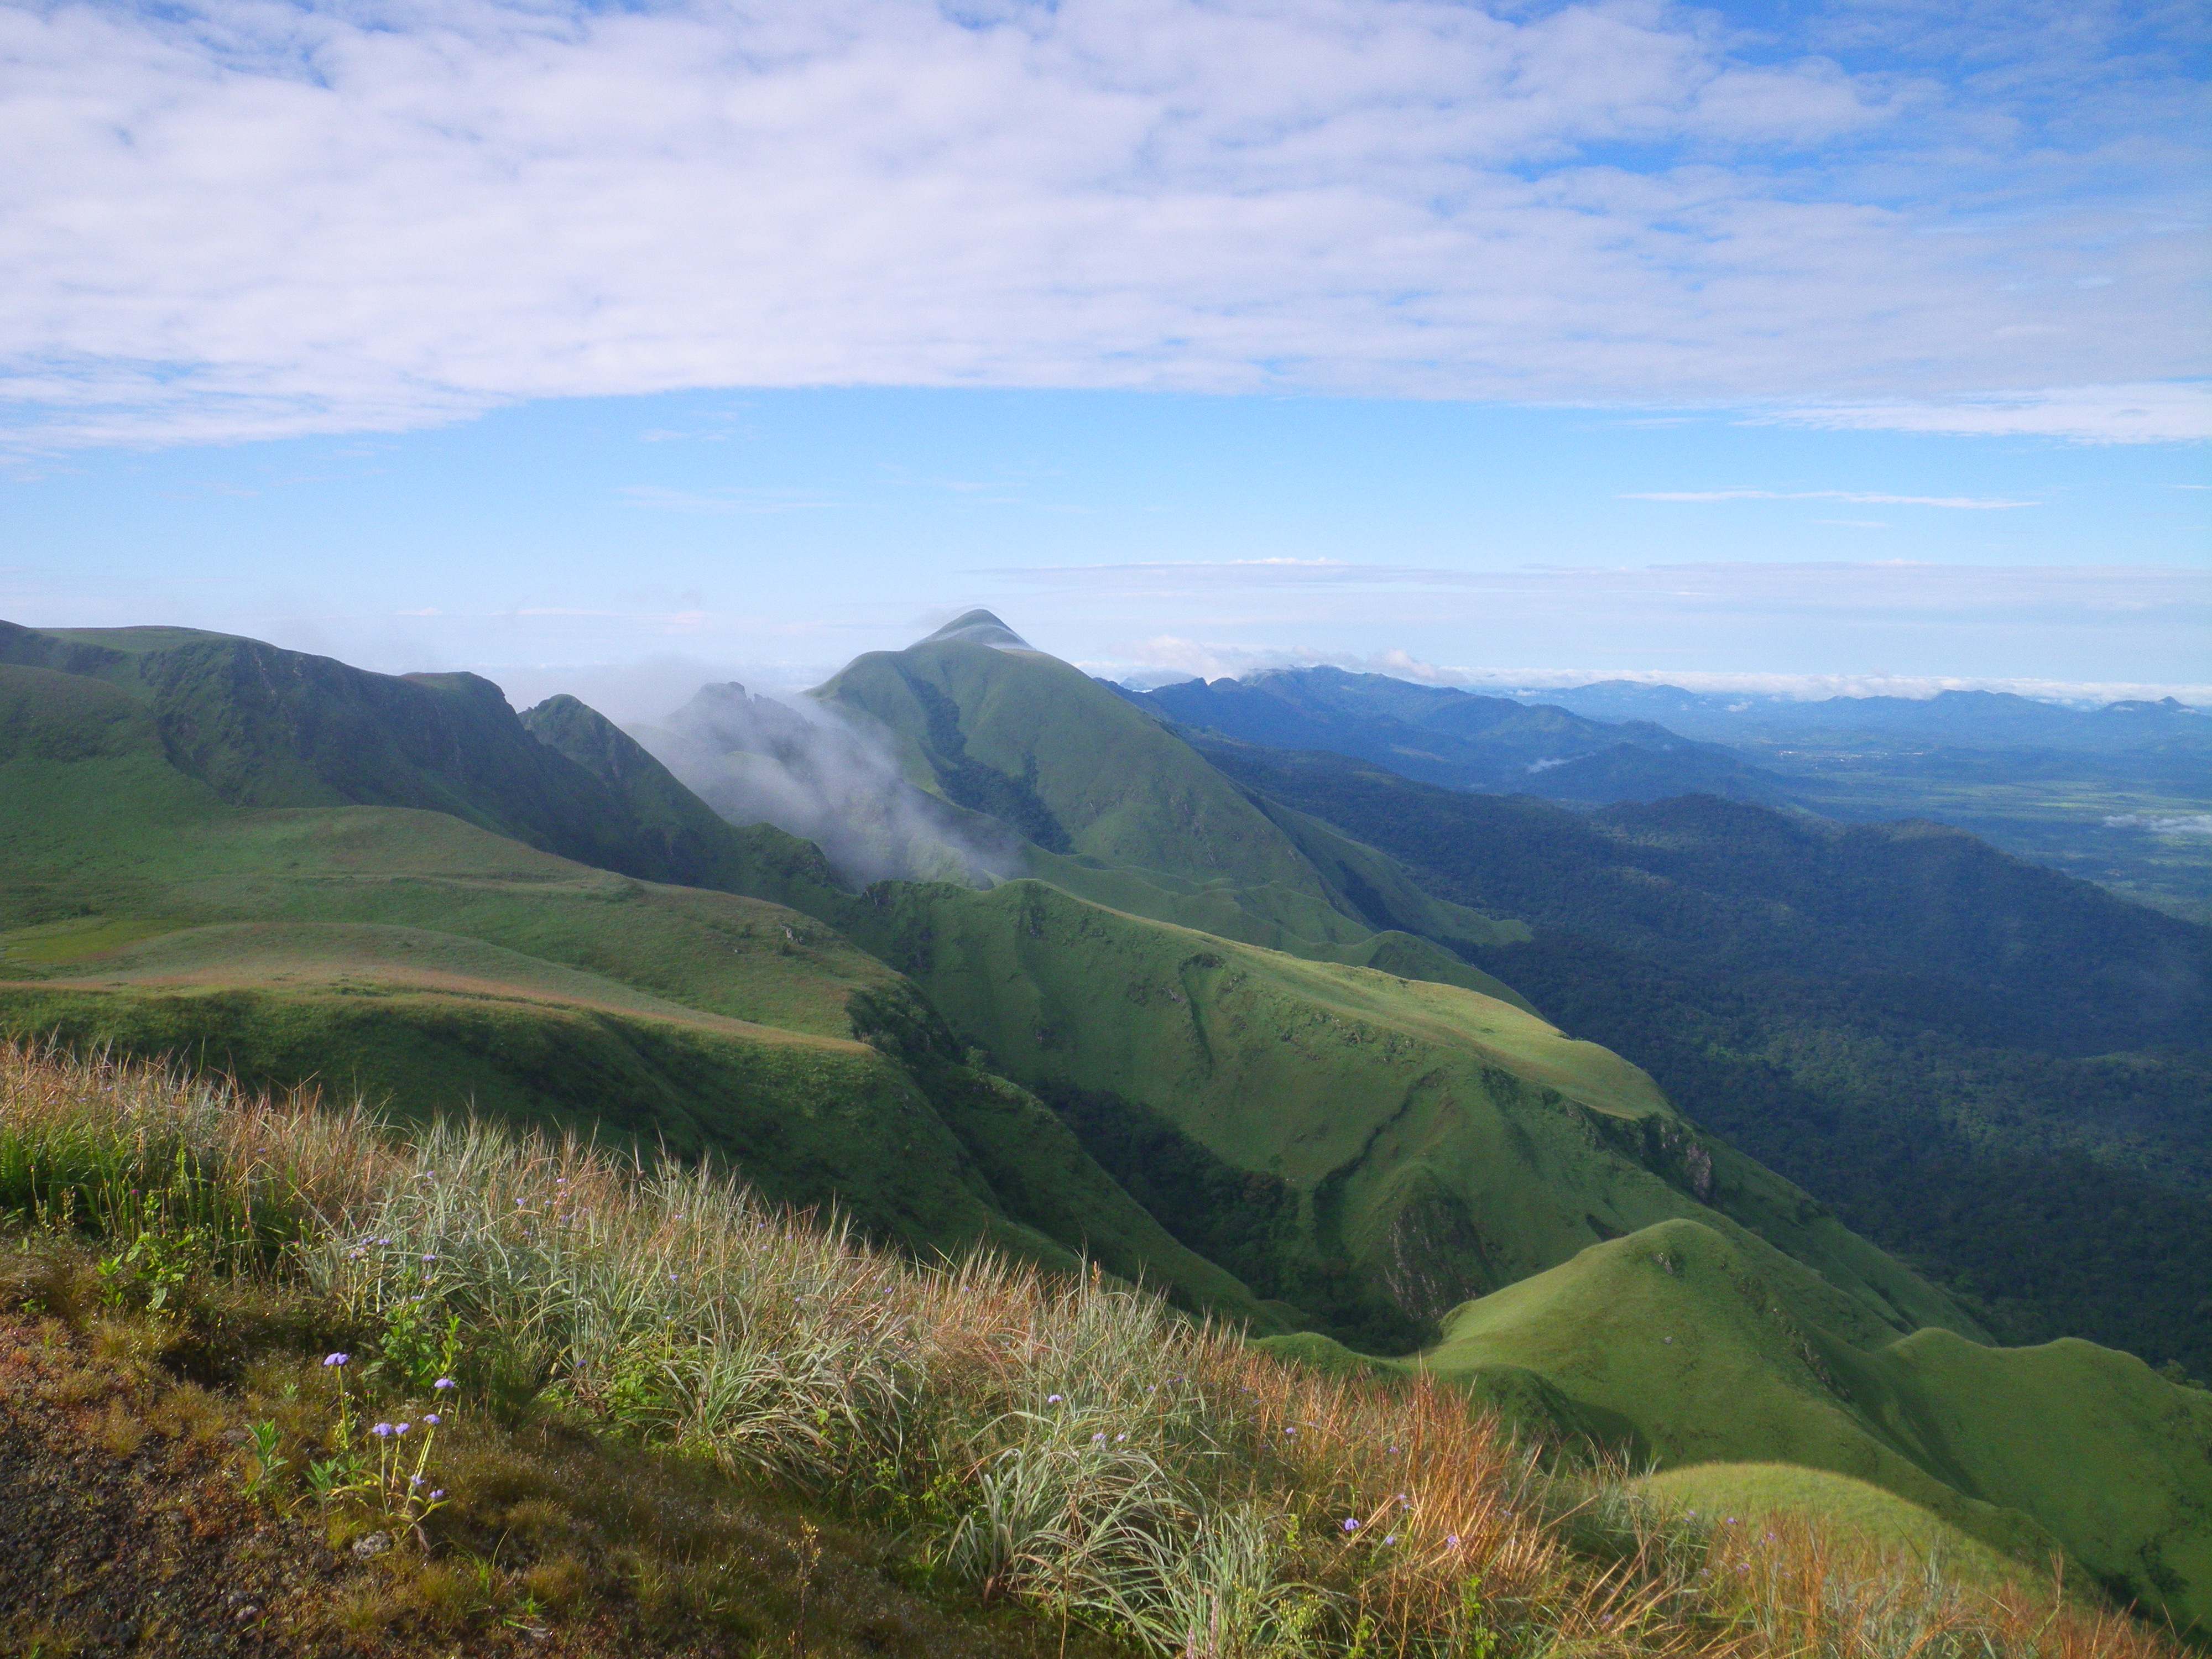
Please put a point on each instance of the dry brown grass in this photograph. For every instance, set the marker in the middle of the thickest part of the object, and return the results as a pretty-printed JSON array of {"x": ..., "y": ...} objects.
[{"x": 1073, "y": 1447}]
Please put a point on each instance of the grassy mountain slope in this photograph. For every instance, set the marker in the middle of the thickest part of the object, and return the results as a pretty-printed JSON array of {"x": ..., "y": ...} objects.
[
  {"x": 1986, "y": 1066},
  {"x": 1368, "y": 1148},
  {"x": 671, "y": 1420},
  {"x": 1756, "y": 1495},
  {"x": 1119, "y": 809},
  {"x": 1027, "y": 740},
  {"x": 1294, "y": 1140},
  {"x": 433, "y": 873},
  {"x": 1675, "y": 1329},
  {"x": 422, "y": 959},
  {"x": 261, "y": 726}
]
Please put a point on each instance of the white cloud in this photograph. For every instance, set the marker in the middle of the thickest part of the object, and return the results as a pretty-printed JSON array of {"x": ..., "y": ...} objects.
[
  {"x": 1936, "y": 624},
  {"x": 2191, "y": 824},
  {"x": 2095, "y": 414},
  {"x": 250, "y": 220}
]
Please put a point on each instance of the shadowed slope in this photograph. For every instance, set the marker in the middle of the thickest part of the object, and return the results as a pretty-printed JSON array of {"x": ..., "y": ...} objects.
[
  {"x": 1370, "y": 1148},
  {"x": 1442, "y": 735},
  {"x": 1992, "y": 1068}
]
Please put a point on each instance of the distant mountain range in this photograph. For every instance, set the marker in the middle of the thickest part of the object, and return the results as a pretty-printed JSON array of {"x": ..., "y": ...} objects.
[
  {"x": 1037, "y": 964},
  {"x": 1979, "y": 720},
  {"x": 1440, "y": 735},
  {"x": 2121, "y": 795}
]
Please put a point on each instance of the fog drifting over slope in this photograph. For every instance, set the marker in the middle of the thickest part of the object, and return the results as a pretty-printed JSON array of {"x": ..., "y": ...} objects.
[{"x": 797, "y": 766}]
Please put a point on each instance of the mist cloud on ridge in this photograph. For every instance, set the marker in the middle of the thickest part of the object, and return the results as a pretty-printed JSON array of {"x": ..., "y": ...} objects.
[{"x": 799, "y": 767}]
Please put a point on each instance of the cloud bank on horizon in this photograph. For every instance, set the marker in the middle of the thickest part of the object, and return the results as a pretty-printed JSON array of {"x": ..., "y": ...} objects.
[
  {"x": 1168, "y": 660},
  {"x": 250, "y": 220}
]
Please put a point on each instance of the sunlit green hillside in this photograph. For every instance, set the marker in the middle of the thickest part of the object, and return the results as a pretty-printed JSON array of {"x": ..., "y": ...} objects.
[
  {"x": 1116, "y": 809},
  {"x": 1714, "y": 1357},
  {"x": 290, "y": 869}
]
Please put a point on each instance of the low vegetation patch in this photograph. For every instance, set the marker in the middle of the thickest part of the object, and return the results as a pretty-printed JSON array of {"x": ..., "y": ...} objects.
[{"x": 533, "y": 1395}]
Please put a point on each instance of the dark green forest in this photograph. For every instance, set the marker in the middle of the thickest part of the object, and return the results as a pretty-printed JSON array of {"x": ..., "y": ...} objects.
[{"x": 1994, "y": 1071}]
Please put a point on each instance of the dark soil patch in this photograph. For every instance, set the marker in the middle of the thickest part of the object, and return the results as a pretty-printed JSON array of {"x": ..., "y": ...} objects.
[{"x": 124, "y": 1530}]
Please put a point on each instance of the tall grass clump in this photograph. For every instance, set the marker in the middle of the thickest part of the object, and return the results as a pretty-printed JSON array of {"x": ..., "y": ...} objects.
[
  {"x": 1069, "y": 1444},
  {"x": 129, "y": 1150}
]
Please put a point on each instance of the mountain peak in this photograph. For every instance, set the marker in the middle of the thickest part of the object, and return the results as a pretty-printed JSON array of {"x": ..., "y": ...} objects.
[{"x": 978, "y": 628}]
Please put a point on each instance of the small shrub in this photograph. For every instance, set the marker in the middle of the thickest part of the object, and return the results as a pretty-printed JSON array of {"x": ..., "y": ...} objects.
[
  {"x": 559, "y": 1583},
  {"x": 122, "y": 1431}
]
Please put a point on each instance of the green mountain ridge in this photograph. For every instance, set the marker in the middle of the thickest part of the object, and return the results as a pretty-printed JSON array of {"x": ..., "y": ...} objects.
[
  {"x": 1991, "y": 1068},
  {"x": 767, "y": 1067},
  {"x": 1437, "y": 1143},
  {"x": 1676, "y": 1330},
  {"x": 1118, "y": 809},
  {"x": 1317, "y": 1116}
]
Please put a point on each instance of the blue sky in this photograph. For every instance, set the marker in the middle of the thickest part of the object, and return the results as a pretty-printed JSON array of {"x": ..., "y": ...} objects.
[{"x": 607, "y": 347}]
